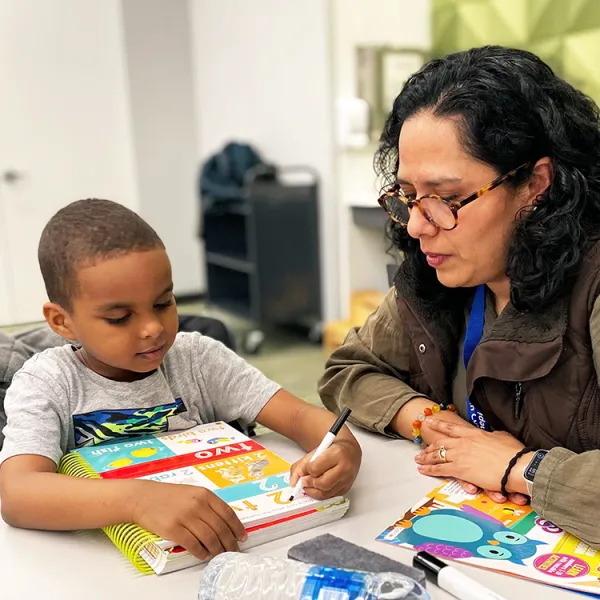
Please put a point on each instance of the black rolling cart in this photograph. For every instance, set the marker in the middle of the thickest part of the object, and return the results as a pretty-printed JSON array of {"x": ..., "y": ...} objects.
[{"x": 262, "y": 252}]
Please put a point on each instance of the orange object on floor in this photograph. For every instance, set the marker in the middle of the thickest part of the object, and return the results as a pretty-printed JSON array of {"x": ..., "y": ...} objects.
[
  {"x": 334, "y": 334},
  {"x": 363, "y": 303}
]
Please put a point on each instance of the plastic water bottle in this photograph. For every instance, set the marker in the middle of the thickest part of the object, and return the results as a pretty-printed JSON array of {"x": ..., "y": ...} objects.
[{"x": 235, "y": 576}]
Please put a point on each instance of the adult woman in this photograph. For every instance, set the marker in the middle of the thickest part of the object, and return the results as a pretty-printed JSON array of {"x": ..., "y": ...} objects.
[{"x": 513, "y": 268}]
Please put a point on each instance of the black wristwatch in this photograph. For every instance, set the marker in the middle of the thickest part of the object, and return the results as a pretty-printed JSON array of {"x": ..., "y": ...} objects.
[{"x": 531, "y": 469}]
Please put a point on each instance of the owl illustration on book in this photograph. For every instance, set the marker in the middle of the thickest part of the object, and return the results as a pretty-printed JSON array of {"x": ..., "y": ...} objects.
[{"x": 457, "y": 534}]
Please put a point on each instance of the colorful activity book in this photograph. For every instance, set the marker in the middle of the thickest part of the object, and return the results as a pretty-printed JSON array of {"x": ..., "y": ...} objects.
[
  {"x": 251, "y": 479},
  {"x": 506, "y": 538}
]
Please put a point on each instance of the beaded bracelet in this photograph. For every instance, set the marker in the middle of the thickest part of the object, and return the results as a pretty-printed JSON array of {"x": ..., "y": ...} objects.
[{"x": 418, "y": 422}]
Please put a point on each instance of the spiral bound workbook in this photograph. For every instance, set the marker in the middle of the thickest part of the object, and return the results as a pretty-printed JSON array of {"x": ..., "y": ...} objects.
[{"x": 251, "y": 479}]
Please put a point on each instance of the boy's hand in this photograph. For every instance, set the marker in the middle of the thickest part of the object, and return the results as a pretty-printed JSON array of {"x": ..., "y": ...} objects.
[
  {"x": 191, "y": 517},
  {"x": 332, "y": 474}
]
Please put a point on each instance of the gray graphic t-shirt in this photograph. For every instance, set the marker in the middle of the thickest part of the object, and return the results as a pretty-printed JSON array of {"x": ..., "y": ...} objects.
[{"x": 55, "y": 403}]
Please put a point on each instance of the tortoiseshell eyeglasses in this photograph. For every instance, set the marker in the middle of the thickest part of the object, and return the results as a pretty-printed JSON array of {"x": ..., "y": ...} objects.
[{"x": 441, "y": 212}]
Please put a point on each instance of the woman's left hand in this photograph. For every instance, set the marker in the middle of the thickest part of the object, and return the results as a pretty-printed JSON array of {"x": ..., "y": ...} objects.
[{"x": 474, "y": 455}]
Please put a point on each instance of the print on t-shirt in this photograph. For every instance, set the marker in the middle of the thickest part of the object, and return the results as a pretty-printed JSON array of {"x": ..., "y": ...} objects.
[{"x": 102, "y": 425}]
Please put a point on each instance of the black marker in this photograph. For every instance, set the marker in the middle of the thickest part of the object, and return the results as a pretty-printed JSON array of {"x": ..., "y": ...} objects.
[{"x": 452, "y": 580}]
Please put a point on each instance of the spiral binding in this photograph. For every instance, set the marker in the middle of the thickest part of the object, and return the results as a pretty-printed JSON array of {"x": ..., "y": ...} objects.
[
  {"x": 129, "y": 538},
  {"x": 76, "y": 466}
]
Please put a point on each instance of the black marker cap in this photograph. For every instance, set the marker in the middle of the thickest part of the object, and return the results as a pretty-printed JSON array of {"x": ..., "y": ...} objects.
[
  {"x": 339, "y": 423},
  {"x": 430, "y": 564}
]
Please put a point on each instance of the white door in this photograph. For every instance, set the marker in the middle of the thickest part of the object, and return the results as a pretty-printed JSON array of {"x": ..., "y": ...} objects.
[
  {"x": 64, "y": 125},
  {"x": 6, "y": 300}
]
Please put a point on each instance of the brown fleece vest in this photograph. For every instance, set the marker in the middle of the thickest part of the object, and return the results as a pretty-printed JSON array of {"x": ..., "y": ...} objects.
[{"x": 532, "y": 374}]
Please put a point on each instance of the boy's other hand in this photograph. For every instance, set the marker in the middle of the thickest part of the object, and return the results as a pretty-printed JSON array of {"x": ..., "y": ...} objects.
[
  {"x": 332, "y": 474},
  {"x": 191, "y": 517}
]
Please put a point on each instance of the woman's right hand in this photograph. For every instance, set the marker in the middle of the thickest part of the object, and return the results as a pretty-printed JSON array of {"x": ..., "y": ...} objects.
[
  {"x": 403, "y": 421},
  {"x": 430, "y": 436},
  {"x": 497, "y": 497}
]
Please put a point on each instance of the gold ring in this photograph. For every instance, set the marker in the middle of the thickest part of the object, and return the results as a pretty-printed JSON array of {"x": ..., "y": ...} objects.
[{"x": 442, "y": 454}]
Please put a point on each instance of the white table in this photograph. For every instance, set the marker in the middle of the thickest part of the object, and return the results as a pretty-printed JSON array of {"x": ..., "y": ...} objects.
[{"x": 64, "y": 566}]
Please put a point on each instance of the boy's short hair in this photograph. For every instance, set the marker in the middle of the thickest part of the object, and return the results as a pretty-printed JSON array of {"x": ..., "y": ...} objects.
[{"x": 85, "y": 231}]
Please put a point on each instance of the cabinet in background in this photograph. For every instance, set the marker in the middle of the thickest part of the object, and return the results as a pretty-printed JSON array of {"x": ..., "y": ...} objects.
[{"x": 262, "y": 255}]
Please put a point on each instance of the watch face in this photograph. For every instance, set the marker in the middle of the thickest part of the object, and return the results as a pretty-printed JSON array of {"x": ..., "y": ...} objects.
[{"x": 533, "y": 466}]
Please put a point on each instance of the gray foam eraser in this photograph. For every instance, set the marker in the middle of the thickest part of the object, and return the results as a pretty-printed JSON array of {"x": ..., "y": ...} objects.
[{"x": 331, "y": 551}]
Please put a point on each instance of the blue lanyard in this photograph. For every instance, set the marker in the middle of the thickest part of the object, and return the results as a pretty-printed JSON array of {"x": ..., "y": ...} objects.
[{"x": 472, "y": 338}]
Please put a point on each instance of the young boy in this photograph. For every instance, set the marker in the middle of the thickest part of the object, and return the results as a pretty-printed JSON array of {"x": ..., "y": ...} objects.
[{"x": 108, "y": 278}]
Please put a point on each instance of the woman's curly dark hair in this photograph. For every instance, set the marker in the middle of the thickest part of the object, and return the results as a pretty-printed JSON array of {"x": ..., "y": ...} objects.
[{"x": 512, "y": 108}]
